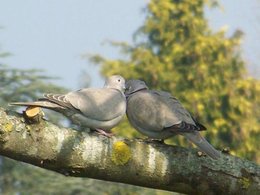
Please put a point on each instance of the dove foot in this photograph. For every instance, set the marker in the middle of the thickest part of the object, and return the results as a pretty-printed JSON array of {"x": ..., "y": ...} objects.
[
  {"x": 200, "y": 154},
  {"x": 151, "y": 140},
  {"x": 226, "y": 150},
  {"x": 103, "y": 132}
]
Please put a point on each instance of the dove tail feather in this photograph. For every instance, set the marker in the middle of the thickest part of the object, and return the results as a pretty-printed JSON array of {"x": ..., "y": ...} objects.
[
  {"x": 43, "y": 104},
  {"x": 202, "y": 144},
  {"x": 199, "y": 125}
]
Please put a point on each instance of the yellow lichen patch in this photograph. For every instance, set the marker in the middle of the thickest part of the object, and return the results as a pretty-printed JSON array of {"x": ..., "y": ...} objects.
[
  {"x": 245, "y": 182},
  {"x": 8, "y": 127},
  {"x": 121, "y": 153}
]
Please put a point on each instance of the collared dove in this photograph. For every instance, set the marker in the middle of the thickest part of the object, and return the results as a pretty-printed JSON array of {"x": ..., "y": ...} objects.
[
  {"x": 96, "y": 108},
  {"x": 158, "y": 115}
]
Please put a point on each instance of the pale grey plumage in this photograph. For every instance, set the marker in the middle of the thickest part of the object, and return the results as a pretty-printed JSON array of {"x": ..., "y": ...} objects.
[
  {"x": 101, "y": 108},
  {"x": 157, "y": 114}
]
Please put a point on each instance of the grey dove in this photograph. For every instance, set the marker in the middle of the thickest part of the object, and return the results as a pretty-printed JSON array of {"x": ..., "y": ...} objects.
[
  {"x": 158, "y": 115},
  {"x": 96, "y": 108}
]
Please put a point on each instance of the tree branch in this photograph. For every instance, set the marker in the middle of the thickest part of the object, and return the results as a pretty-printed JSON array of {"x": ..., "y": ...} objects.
[{"x": 136, "y": 162}]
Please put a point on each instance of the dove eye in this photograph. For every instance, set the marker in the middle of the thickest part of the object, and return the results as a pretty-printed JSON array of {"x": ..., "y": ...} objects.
[{"x": 118, "y": 80}]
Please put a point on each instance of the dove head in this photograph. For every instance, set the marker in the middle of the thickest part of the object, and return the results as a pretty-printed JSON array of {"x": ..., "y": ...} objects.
[
  {"x": 133, "y": 86},
  {"x": 115, "y": 82}
]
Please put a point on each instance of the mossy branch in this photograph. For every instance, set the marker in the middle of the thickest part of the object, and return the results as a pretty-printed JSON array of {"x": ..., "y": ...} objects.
[{"x": 153, "y": 165}]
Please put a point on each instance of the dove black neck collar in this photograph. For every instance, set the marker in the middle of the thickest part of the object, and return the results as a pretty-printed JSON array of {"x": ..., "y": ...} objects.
[{"x": 133, "y": 92}]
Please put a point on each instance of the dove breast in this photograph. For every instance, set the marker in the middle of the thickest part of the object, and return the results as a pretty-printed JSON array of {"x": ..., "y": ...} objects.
[
  {"x": 104, "y": 105},
  {"x": 147, "y": 114}
]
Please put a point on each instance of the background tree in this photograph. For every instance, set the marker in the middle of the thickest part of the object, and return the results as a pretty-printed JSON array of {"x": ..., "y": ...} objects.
[{"x": 175, "y": 50}]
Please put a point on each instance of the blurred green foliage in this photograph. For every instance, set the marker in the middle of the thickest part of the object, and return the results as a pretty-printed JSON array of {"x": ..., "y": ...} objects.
[{"x": 175, "y": 50}]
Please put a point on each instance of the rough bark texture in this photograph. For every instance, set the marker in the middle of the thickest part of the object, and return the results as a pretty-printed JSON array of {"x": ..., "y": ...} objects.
[{"x": 136, "y": 162}]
